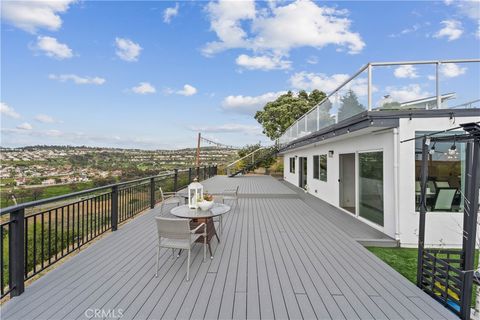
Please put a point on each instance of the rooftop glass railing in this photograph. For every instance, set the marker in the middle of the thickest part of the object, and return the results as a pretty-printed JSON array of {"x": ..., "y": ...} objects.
[{"x": 402, "y": 85}]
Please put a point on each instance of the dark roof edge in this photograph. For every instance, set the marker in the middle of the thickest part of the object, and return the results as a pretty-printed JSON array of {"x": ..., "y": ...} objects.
[{"x": 380, "y": 118}]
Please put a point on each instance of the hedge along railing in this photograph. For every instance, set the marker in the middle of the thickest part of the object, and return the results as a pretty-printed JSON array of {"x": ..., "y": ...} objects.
[{"x": 35, "y": 235}]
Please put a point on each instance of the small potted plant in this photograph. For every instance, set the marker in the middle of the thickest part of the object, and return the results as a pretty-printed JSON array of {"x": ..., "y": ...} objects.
[{"x": 206, "y": 203}]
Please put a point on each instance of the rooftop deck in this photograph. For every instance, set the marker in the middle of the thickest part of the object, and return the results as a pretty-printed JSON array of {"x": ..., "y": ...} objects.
[{"x": 279, "y": 258}]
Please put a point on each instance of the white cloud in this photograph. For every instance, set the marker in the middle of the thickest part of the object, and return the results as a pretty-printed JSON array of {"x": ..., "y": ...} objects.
[
  {"x": 310, "y": 81},
  {"x": 229, "y": 128},
  {"x": 52, "y": 48},
  {"x": 451, "y": 70},
  {"x": 77, "y": 79},
  {"x": 33, "y": 15},
  {"x": 248, "y": 104},
  {"x": 414, "y": 28},
  {"x": 25, "y": 126},
  {"x": 225, "y": 21},
  {"x": 187, "y": 90},
  {"x": 144, "y": 88},
  {"x": 278, "y": 29},
  {"x": 406, "y": 93},
  {"x": 264, "y": 62},
  {"x": 15, "y": 137},
  {"x": 8, "y": 111},
  {"x": 312, "y": 60},
  {"x": 43, "y": 118},
  {"x": 127, "y": 49},
  {"x": 452, "y": 30},
  {"x": 470, "y": 9},
  {"x": 320, "y": 81},
  {"x": 169, "y": 13},
  {"x": 406, "y": 71}
]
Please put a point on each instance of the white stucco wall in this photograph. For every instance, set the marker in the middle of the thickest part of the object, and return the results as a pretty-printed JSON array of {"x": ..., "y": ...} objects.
[
  {"x": 443, "y": 228},
  {"x": 329, "y": 191}
]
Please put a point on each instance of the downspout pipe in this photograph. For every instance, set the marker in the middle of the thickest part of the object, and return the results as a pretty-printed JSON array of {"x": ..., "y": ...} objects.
[{"x": 396, "y": 188}]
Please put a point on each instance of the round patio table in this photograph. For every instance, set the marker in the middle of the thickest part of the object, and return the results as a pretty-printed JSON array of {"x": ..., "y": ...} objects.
[{"x": 198, "y": 216}]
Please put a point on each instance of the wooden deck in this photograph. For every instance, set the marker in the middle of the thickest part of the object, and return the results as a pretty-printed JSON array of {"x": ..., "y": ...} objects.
[{"x": 279, "y": 258}]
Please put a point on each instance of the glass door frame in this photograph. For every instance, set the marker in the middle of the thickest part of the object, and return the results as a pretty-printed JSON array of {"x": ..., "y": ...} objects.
[{"x": 357, "y": 187}]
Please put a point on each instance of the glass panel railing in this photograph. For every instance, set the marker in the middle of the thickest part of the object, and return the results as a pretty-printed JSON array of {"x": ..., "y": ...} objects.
[
  {"x": 459, "y": 83},
  {"x": 404, "y": 87},
  {"x": 394, "y": 86},
  {"x": 311, "y": 118}
]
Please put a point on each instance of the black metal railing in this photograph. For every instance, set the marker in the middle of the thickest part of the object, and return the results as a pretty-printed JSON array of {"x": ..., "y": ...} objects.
[
  {"x": 442, "y": 276},
  {"x": 36, "y": 235}
]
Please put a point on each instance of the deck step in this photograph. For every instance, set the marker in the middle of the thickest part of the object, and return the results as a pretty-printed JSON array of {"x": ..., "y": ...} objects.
[{"x": 385, "y": 243}]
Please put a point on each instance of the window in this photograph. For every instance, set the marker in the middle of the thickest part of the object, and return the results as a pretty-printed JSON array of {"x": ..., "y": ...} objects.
[
  {"x": 323, "y": 167},
  {"x": 316, "y": 168},
  {"x": 370, "y": 186},
  {"x": 446, "y": 175},
  {"x": 320, "y": 167},
  {"x": 292, "y": 165}
]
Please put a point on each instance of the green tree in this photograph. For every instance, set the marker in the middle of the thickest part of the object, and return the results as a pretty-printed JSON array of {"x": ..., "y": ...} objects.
[
  {"x": 278, "y": 115},
  {"x": 36, "y": 193},
  {"x": 350, "y": 106},
  {"x": 267, "y": 160}
]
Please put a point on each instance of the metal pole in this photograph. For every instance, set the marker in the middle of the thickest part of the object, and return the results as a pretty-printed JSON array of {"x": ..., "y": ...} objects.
[
  {"x": 189, "y": 175},
  {"x": 437, "y": 85},
  {"x": 470, "y": 225},
  {"x": 152, "y": 193},
  {"x": 423, "y": 210},
  {"x": 175, "y": 180},
  {"x": 17, "y": 253},
  {"x": 369, "y": 68},
  {"x": 114, "y": 204},
  {"x": 197, "y": 163}
]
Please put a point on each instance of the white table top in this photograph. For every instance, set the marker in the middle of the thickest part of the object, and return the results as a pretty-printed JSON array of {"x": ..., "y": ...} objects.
[{"x": 185, "y": 212}]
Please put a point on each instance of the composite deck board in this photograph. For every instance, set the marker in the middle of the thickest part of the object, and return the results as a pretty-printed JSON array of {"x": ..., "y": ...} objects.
[
  {"x": 342, "y": 219},
  {"x": 340, "y": 259},
  {"x": 281, "y": 256}
]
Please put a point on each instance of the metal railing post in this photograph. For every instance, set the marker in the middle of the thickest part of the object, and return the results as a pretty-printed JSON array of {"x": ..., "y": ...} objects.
[
  {"x": 114, "y": 216},
  {"x": 152, "y": 193},
  {"x": 204, "y": 173},
  {"x": 189, "y": 175},
  {"x": 369, "y": 68},
  {"x": 17, "y": 253},
  {"x": 437, "y": 85},
  {"x": 198, "y": 173},
  {"x": 175, "y": 180}
]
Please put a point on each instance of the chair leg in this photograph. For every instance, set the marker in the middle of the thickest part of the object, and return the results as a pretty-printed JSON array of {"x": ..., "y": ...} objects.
[
  {"x": 173, "y": 254},
  {"x": 158, "y": 258},
  {"x": 188, "y": 266}
]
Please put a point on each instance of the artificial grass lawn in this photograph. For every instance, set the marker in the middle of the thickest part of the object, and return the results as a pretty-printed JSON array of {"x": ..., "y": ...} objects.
[{"x": 404, "y": 261}]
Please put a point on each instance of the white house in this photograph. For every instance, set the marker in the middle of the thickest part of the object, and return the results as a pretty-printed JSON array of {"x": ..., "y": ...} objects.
[{"x": 361, "y": 166}]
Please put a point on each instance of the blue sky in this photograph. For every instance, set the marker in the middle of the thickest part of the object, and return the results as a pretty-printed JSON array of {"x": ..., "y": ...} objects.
[{"x": 152, "y": 74}]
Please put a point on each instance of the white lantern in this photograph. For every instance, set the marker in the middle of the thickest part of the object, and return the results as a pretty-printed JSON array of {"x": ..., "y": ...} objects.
[{"x": 195, "y": 194}]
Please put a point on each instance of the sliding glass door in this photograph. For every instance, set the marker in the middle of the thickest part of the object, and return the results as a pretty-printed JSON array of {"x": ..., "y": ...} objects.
[{"x": 370, "y": 186}]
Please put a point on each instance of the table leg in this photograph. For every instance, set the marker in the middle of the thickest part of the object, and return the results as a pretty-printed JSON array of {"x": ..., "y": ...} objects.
[{"x": 211, "y": 231}]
